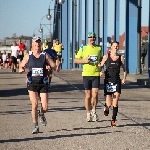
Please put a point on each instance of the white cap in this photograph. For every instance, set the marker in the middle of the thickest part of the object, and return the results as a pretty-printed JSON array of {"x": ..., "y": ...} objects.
[{"x": 34, "y": 39}]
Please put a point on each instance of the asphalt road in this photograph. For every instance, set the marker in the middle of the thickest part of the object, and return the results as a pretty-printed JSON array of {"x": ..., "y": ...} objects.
[{"x": 67, "y": 128}]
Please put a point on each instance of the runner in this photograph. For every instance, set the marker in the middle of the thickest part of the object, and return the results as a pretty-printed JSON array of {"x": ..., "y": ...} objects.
[
  {"x": 45, "y": 45},
  {"x": 5, "y": 59},
  {"x": 58, "y": 47},
  {"x": 53, "y": 56},
  {"x": 14, "y": 54},
  {"x": 37, "y": 80},
  {"x": 22, "y": 47},
  {"x": 89, "y": 56},
  {"x": 54, "y": 42},
  {"x": 112, "y": 81}
]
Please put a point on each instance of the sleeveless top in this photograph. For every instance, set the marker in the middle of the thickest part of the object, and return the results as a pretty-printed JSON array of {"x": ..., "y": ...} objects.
[
  {"x": 37, "y": 68},
  {"x": 112, "y": 73}
]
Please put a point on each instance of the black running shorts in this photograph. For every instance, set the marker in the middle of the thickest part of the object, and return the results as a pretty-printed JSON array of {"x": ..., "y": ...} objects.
[
  {"x": 40, "y": 88},
  {"x": 14, "y": 60},
  {"x": 117, "y": 87},
  {"x": 90, "y": 82}
]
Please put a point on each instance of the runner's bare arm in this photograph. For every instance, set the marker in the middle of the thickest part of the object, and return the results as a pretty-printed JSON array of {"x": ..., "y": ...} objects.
[
  {"x": 124, "y": 68},
  {"x": 81, "y": 61},
  {"x": 101, "y": 64},
  {"x": 23, "y": 63},
  {"x": 50, "y": 61}
]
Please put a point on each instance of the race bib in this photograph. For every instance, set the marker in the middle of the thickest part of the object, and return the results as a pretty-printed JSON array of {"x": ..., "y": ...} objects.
[
  {"x": 37, "y": 72},
  {"x": 93, "y": 59},
  {"x": 7, "y": 59},
  {"x": 111, "y": 88}
]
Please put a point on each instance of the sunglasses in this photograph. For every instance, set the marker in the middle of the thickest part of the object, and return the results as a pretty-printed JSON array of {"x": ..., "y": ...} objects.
[{"x": 91, "y": 37}]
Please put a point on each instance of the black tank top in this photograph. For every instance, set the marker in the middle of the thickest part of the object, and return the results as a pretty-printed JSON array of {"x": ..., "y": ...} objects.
[
  {"x": 112, "y": 73},
  {"x": 37, "y": 67}
]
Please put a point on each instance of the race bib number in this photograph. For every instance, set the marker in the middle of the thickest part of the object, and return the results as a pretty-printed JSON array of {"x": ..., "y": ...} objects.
[
  {"x": 37, "y": 72},
  {"x": 111, "y": 88},
  {"x": 93, "y": 59}
]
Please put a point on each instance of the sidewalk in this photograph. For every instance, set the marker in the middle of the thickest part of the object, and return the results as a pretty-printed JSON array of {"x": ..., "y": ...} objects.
[
  {"x": 67, "y": 128},
  {"x": 141, "y": 79}
]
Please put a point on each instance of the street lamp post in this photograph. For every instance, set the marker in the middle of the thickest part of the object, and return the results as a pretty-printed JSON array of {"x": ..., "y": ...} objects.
[
  {"x": 49, "y": 16},
  {"x": 34, "y": 31},
  {"x": 61, "y": 1},
  {"x": 41, "y": 28},
  {"x": 41, "y": 31}
]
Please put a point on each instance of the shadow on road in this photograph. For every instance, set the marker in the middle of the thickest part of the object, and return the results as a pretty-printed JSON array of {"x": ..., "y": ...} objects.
[
  {"x": 13, "y": 92},
  {"x": 52, "y": 137}
]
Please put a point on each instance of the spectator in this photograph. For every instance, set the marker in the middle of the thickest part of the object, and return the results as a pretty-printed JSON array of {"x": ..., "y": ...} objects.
[
  {"x": 22, "y": 47},
  {"x": 14, "y": 53},
  {"x": 4, "y": 58}
]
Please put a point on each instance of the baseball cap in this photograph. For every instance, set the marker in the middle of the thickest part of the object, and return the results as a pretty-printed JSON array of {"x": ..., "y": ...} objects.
[
  {"x": 91, "y": 34},
  {"x": 34, "y": 39}
]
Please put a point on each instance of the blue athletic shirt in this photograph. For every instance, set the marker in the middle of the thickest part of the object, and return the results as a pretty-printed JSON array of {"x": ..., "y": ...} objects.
[{"x": 52, "y": 53}]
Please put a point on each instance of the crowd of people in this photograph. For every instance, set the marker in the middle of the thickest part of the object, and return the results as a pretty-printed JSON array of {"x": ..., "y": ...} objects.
[
  {"x": 11, "y": 60},
  {"x": 46, "y": 57},
  {"x": 19, "y": 50}
]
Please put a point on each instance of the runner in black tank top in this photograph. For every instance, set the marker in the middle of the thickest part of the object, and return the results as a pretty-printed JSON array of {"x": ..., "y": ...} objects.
[
  {"x": 112, "y": 81},
  {"x": 36, "y": 80}
]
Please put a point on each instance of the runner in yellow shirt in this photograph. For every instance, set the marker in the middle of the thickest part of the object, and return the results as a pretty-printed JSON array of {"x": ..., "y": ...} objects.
[
  {"x": 58, "y": 47},
  {"x": 45, "y": 45},
  {"x": 90, "y": 56},
  {"x": 54, "y": 42}
]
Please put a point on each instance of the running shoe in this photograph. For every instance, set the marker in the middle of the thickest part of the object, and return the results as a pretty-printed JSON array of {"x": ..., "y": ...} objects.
[
  {"x": 94, "y": 116},
  {"x": 35, "y": 130},
  {"x": 43, "y": 119},
  {"x": 106, "y": 112},
  {"x": 113, "y": 124},
  {"x": 88, "y": 119}
]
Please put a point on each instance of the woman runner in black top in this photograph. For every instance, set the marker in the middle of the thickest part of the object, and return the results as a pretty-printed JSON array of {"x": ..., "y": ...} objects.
[{"x": 112, "y": 81}]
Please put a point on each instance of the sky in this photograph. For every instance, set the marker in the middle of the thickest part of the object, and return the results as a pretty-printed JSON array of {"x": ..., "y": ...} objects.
[{"x": 24, "y": 17}]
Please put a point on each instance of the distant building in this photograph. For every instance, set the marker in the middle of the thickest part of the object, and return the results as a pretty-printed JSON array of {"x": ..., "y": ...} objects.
[
  {"x": 144, "y": 33},
  {"x": 7, "y": 42}
]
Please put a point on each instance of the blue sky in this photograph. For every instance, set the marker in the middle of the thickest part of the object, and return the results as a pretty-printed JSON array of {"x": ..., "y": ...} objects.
[{"x": 24, "y": 17}]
